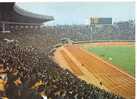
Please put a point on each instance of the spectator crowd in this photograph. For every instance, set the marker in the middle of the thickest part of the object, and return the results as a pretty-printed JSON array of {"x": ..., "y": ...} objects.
[
  {"x": 31, "y": 74},
  {"x": 124, "y": 30},
  {"x": 27, "y": 71}
]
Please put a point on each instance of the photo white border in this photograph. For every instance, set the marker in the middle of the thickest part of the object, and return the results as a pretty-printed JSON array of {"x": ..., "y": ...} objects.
[{"x": 88, "y": 1}]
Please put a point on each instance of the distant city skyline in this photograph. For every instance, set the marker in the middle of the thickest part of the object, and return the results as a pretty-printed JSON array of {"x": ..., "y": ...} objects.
[{"x": 80, "y": 13}]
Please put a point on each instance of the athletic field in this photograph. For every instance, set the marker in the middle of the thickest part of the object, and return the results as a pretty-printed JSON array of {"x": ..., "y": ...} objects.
[
  {"x": 83, "y": 61},
  {"x": 122, "y": 56}
]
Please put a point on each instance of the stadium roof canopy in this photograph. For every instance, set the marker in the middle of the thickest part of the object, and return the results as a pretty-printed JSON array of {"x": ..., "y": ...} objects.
[{"x": 11, "y": 13}]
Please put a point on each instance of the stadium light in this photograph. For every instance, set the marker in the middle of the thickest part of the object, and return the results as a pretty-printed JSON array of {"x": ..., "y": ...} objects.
[{"x": 97, "y": 21}]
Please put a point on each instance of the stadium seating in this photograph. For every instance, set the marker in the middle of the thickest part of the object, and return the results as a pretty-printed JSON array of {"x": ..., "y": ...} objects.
[{"x": 39, "y": 74}]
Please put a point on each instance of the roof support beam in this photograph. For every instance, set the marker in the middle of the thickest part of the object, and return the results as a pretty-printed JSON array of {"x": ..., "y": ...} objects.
[{"x": 17, "y": 23}]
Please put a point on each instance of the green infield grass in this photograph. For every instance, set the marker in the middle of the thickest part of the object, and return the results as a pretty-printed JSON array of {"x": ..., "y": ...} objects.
[{"x": 121, "y": 56}]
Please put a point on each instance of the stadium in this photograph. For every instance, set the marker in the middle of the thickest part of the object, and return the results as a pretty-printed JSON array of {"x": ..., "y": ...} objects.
[{"x": 95, "y": 61}]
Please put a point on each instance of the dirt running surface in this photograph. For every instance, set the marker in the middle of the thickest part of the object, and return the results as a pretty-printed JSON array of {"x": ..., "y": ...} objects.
[{"x": 95, "y": 70}]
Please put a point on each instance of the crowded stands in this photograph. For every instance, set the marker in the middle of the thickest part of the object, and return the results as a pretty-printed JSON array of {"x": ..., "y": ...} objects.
[
  {"x": 30, "y": 74},
  {"x": 124, "y": 30},
  {"x": 27, "y": 72}
]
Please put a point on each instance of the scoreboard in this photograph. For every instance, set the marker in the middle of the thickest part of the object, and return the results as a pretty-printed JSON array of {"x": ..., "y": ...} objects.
[{"x": 96, "y": 20}]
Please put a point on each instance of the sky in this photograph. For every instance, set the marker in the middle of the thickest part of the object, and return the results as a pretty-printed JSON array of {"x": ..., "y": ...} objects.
[{"x": 80, "y": 12}]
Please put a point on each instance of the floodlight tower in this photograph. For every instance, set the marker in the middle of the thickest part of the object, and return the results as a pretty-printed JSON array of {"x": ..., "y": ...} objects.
[{"x": 94, "y": 21}]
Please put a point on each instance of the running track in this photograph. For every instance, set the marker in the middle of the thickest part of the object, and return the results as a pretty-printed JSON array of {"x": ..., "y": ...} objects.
[{"x": 111, "y": 77}]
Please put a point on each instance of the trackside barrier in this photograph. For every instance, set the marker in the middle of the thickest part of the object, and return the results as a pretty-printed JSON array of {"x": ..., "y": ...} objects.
[{"x": 94, "y": 41}]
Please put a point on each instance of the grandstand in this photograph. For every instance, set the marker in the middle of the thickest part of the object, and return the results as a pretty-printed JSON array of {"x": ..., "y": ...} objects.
[{"x": 14, "y": 17}]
